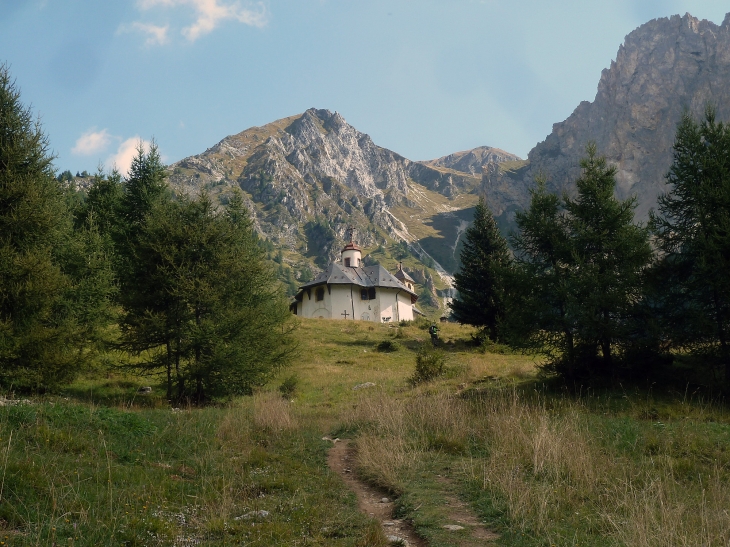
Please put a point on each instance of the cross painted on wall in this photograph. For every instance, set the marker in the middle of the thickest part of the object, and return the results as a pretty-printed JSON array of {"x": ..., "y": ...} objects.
[{"x": 344, "y": 314}]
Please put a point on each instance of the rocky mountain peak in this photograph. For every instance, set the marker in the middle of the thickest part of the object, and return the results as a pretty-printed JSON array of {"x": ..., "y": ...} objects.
[
  {"x": 473, "y": 161},
  {"x": 663, "y": 67}
]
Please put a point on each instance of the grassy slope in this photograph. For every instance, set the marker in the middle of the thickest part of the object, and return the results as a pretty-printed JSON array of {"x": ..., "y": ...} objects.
[{"x": 105, "y": 466}]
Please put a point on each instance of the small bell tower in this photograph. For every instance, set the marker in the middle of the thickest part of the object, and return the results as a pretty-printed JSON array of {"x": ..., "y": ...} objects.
[{"x": 351, "y": 254}]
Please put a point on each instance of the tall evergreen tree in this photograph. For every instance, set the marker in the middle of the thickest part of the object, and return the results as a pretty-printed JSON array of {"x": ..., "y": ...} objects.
[
  {"x": 610, "y": 255},
  {"x": 103, "y": 203},
  {"x": 581, "y": 280},
  {"x": 46, "y": 312},
  {"x": 693, "y": 233},
  {"x": 207, "y": 309},
  {"x": 145, "y": 184},
  {"x": 542, "y": 316},
  {"x": 482, "y": 281}
]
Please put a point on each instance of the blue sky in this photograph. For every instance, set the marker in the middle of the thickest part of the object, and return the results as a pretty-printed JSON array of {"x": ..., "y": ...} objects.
[{"x": 423, "y": 78}]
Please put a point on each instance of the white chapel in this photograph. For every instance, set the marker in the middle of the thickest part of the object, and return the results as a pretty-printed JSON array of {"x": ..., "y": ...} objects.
[{"x": 349, "y": 290}]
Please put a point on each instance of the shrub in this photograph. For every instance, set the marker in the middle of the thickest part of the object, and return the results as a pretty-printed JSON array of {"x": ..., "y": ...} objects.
[
  {"x": 429, "y": 364},
  {"x": 289, "y": 386},
  {"x": 387, "y": 346}
]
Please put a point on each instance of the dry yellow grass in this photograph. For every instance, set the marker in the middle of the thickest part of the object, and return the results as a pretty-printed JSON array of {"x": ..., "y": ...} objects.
[
  {"x": 543, "y": 463},
  {"x": 273, "y": 413}
]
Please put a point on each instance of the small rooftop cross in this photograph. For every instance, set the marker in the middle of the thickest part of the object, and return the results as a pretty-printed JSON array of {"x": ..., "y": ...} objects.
[{"x": 351, "y": 231}]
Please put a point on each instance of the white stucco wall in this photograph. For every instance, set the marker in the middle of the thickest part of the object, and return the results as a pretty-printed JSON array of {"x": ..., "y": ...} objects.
[{"x": 342, "y": 300}]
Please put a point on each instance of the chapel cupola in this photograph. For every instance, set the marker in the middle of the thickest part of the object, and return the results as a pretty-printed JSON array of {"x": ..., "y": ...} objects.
[
  {"x": 351, "y": 254},
  {"x": 403, "y": 277}
]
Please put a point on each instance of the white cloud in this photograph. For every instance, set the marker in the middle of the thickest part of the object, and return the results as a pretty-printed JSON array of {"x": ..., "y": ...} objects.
[
  {"x": 208, "y": 15},
  {"x": 126, "y": 152},
  {"x": 156, "y": 35},
  {"x": 92, "y": 142}
]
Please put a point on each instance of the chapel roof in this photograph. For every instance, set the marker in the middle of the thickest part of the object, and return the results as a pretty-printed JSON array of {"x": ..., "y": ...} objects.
[
  {"x": 351, "y": 247},
  {"x": 368, "y": 276},
  {"x": 402, "y": 275}
]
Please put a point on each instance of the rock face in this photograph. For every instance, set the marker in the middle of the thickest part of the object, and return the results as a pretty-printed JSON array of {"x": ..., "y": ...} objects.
[
  {"x": 663, "y": 67},
  {"x": 305, "y": 172},
  {"x": 473, "y": 161}
]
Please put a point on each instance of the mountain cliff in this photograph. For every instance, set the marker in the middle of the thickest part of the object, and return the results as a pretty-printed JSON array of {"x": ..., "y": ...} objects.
[
  {"x": 307, "y": 178},
  {"x": 663, "y": 67}
]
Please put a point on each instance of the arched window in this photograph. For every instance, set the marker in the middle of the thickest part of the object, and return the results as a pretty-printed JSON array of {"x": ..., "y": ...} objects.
[{"x": 319, "y": 294}]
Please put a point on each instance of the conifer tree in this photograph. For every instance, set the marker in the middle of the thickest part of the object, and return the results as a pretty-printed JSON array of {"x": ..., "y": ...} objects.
[
  {"x": 207, "y": 307},
  {"x": 542, "y": 316},
  {"x": 693, "y": 233},
  {"x": 48, "y": 308},
  {"x": 482, "y": 281},
  {"x": 610, "y": 255},
  {"x": 581, "y": 263},
  {"x": 103, "y": 203}
]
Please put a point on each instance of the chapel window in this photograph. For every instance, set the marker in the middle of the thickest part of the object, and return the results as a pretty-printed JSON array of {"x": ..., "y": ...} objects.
[
  {"x": 371, "y": 293},
  {"x": 319, "y": 294},
  {"x": 363, "y": 294},
  {"x": 347, "y": 262}
]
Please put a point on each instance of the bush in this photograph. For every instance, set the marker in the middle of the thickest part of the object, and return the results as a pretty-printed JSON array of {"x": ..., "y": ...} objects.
[
  {"x": 429, "y": 364},
  {"x": 289, "y": 386},
  {"x": 387, "y": 346}
]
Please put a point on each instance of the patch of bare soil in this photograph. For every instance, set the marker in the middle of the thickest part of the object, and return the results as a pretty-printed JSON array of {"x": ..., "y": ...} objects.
[
  {"x": 371, "y": 500},
  {"x": 460, "y": 514}
]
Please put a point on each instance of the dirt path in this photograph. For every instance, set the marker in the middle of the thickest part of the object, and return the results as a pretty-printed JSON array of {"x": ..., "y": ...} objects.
[
  {"x": 460, "y": 514},
  {"x": 376, "y": 503},
  {"x": 371, "y": 501}
]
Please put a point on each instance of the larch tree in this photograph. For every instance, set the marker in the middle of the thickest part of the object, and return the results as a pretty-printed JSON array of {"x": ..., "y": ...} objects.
[
  {"x": 205, "y": 309},
  {"x": 692, "y": 231},
  {"x": 542, "y": 316},
  {"x": 610, "y": 254},
  {"x": 54, "y": 286}
]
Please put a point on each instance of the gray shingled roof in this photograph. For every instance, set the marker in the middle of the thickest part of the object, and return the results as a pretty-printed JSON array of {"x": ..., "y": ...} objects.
[
  {"x": 401, "y": 273},
  {"x": 369, "y": 276}
]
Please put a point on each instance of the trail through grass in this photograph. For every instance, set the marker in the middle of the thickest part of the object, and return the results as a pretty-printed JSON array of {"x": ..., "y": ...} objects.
[{"x": 104, "y": 465}]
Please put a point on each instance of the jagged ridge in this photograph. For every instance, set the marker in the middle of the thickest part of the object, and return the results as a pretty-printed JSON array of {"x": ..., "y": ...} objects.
[{"x": 663, "y": 67}]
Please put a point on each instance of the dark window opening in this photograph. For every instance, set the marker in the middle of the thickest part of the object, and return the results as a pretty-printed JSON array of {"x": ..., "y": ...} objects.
[
  {"x": 347, "y": 263},
  {"x": 319, "y": 294},
  {"x": 363, "y": 294},
  {"x": 371, "y": 293}
]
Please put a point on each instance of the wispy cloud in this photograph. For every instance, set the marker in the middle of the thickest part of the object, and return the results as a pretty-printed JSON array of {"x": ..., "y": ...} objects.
[
  {"x": 126, "y": 152},
  {"x": 209, "y": 14},
  {"x": 156, "y": 35},
  {"x": 92, "y": 142}
]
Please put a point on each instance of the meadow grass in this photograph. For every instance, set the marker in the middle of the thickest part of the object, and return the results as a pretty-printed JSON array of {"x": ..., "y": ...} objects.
[{"x": 103, "y": 465}]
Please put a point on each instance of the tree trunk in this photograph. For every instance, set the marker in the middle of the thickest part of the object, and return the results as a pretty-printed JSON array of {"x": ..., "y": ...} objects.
[
  {"x": 724, "y": 353},
  {"x": 169, "y": 370}
]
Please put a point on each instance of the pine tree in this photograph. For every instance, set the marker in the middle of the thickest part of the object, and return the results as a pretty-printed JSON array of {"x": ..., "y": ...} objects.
[
  {"x": 693, "y": 233},
  {"x": 482, "y": 280},
  {"x": 610, "y": 255}
]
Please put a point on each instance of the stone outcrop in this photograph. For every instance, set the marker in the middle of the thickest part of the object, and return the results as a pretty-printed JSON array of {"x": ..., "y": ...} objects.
[
  {"x": 473, "y": 161},
  {"x": 664, "y": 66},
  {"x": 316, "y": 166}
]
